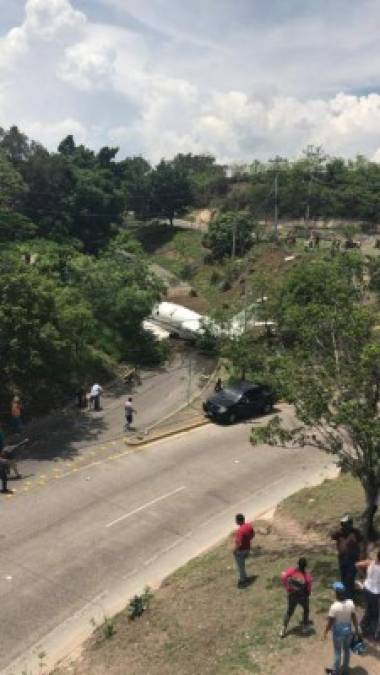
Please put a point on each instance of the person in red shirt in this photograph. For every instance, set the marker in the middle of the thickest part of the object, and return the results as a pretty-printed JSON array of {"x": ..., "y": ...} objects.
[
  {"x": 298, "y": 584},
  {"x": 242, "y": 546}
]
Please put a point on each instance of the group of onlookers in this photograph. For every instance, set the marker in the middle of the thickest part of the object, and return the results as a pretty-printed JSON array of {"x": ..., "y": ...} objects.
[{"x": 342, "y": 619}]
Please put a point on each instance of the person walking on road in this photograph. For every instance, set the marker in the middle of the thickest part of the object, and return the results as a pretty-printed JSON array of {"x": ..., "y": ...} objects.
[
  {"x": 4, "y": 466},
  {"x": 348, "y": 543},
  {"x": 95, "y": 394},
  {"x": 16, "y": 412},
  {"x": 9, "y": 452},
  {"x": 341, "y": 618},
  {"x": 129, "y": 412},
  {"x": 297, "y": 583},
  {"x": 242, "y": 547},
  {"x": 370, "y": 623}
]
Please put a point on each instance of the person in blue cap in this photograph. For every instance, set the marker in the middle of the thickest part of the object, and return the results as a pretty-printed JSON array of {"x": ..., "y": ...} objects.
[{"x": 341, "y": 618}]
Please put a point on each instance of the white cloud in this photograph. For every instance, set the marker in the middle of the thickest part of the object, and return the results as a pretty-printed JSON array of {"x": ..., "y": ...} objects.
[
  {"x": 88, "y": 66},
  {"x": 47, "y": 18},
  {"x": 239, "y": 80},
  {"x": 49, "y": 134},
  {"x": 44, "y": 20}
]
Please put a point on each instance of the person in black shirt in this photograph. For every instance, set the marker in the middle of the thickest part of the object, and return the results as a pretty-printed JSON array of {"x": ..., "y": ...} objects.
[{"x": 348, "y": 543}]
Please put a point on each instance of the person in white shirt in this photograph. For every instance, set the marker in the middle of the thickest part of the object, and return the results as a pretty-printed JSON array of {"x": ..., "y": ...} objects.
[
  {"x": 341, "y": 617},
  {"x": 129, "y": 411},
  {"x": 370, "y": 623},
  {"x": 95, "y": 394}
]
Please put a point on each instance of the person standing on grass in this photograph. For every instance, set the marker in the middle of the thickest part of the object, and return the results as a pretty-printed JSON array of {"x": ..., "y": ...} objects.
[
  {"x": 341, "y": 618},
  {"x": 298, "y": 585},
  {"x": 4, "y": 466},
  {"x": 16, "y": 411},
  {"x": 348, "y": 543},
  {"x": 370, "y": 623},
  {"x": 242, "y": 547},
  {"x": 129, "y": 412}
]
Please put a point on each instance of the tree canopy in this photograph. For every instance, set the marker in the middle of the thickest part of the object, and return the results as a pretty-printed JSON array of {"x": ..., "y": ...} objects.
[{"x": 331, "y": 370}]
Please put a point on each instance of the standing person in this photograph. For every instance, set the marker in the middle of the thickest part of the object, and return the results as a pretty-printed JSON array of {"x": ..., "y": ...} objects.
[
  {"x": 241, "y": 548},
  {"x": 81, "y": 398},
  {"x": 370, "y": 622},
  {"x": 298, "y": 585},
  {"x": 129, "y": 411},
  {"x": 4, "y": 466},
  {"x": 95, "y": 394},
  {"x": 218, "y": 385},
  {"x": 348, "y": 539},
  {"x": 9, "y": 453},
  {"x": 341, "y": 617},
  {"x": 16, "y": 411}
]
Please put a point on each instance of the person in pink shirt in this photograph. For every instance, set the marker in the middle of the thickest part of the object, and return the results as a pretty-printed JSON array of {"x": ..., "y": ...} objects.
[{"x": 297, "y": 583}]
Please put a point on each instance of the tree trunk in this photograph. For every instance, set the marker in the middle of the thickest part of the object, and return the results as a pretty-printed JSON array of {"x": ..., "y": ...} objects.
[{"x": 371, "y": 492}]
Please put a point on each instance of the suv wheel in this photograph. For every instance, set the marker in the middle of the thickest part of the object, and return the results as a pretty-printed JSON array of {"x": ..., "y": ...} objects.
[
  {"x": 267, "y": 408},
  {"x": 231, "y": 418}
]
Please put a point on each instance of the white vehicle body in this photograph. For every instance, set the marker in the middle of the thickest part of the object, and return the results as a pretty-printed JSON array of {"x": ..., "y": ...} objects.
[
  {"x": 181, "y": 322},
  {"x": 177, "y": 320}
]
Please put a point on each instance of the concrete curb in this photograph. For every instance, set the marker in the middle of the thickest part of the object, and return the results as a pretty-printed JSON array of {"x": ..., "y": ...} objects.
[
  {"x": 191, "y": 400},
  {"x": 167, "y": 434}
]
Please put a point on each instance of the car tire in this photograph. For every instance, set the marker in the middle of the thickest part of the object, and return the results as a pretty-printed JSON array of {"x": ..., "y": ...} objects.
[
  {"x": 232, "y": 418},
  {"x": 267, "y": 408}
]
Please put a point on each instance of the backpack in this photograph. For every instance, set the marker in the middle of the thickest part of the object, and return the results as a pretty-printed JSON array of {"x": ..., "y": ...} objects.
[{"x": 297, "y": 583}]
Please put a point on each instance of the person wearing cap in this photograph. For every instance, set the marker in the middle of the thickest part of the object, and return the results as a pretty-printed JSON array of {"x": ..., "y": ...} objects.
[
  {"x": 341, "y": 618},
  {"x": 297, "y": 582},
  {"x": 348, "y": 540}
]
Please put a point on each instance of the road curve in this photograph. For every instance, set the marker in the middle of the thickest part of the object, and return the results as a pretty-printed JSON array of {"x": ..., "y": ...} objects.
[{"x": 80, "y": 546}]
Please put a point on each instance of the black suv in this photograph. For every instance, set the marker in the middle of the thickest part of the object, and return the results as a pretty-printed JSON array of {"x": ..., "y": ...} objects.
[{"x": 239, "y": 399}]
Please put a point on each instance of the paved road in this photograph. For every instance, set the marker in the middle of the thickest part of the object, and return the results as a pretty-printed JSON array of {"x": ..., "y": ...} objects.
[
  {"x": 78, "y": 547},
  {"x": 66, "y": 435}
]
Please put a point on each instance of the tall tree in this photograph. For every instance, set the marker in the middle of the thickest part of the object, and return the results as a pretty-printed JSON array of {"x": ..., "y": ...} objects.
[
  {"x": 170, "y": 191},
  {"x": 333, "y": 371}
]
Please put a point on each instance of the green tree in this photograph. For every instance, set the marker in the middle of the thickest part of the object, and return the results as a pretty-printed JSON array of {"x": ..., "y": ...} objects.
[
  {"x": 12, "y": 185},
  {"x": 170, "y": 192},
  {"x": 230, "y": 234},
  {"x": 332, "y": 373}
]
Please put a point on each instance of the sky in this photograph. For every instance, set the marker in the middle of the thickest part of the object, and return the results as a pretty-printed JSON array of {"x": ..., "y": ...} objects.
[{"x": 240, "y": 79}]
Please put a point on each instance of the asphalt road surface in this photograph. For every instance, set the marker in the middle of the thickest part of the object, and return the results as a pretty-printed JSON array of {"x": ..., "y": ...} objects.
[{"x": 78, "y": 547}]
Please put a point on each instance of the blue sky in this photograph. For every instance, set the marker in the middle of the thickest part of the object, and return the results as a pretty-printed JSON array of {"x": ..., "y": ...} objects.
[{"x": 241, "y": 79}]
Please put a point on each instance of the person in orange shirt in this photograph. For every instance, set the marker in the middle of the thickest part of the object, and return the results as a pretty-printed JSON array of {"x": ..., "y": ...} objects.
[{"x": 16, "y": 410}]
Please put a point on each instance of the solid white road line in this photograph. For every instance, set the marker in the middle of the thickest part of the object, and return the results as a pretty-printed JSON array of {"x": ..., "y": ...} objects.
[{"x": 145, "y": 506}]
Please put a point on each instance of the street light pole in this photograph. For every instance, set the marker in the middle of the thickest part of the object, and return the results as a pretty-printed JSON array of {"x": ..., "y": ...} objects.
[{"x": 275, "y": 224}]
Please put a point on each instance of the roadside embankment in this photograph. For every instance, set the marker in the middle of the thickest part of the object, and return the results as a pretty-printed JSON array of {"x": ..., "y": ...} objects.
[{"x": 199, "y": 622}]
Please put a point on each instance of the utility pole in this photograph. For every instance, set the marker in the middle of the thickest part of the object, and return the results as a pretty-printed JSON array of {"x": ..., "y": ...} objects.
[
  {"x": 307, "y": 214},
  {"x": 234, "y": 229},
  {"x": 189, "y": 381},
  {"x": 275, "y": 224}
]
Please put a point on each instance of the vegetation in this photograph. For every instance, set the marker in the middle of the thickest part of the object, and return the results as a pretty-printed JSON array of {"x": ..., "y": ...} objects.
[
  {"x": 198, "y": 623},
  {"x": 330, "y": 370},
  {"x": 230, "y": 234},
  {"x": 314, "y": 186},
  {"x": 75, "y": 281}
]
